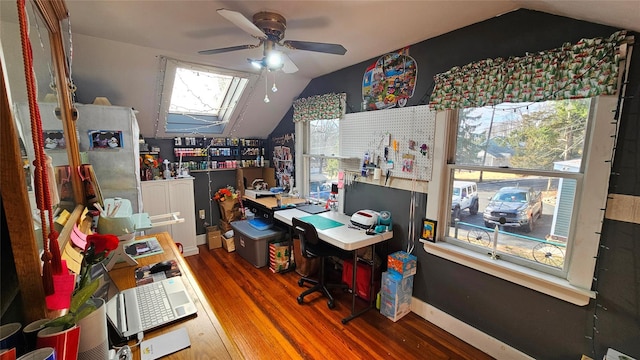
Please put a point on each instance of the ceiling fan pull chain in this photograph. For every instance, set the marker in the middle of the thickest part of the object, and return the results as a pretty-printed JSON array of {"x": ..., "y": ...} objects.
[
  {"x": 266, "y": 86},
  {"x": 274, "y": 88}
]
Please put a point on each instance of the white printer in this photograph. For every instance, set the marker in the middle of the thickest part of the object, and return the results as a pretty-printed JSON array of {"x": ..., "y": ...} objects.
[{"x": 365, "y": 219}]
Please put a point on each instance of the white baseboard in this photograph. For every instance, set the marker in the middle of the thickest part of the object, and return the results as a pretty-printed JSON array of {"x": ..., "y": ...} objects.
[
  {"x": 465, "y": 332},
  {"x": 201, "y": 239}
]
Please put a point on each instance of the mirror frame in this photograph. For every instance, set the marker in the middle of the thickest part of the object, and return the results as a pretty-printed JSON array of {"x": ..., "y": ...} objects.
[{"x": 14, "y": 193}]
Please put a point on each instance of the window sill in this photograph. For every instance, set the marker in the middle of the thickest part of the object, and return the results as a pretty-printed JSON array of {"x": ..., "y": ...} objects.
[{"x": 535, "y": 280}]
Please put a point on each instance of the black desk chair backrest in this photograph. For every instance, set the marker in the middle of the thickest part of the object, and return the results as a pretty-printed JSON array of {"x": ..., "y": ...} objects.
[
  {"x": 308, "y": 236},
  {"x": 311, "y": 246}
]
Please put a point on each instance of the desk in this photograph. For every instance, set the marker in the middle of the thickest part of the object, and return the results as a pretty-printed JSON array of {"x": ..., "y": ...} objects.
[
  {"x": 265, "y": 206},
  {"x": 208, "y": 338},
  {"x": 345, "y": 238}
]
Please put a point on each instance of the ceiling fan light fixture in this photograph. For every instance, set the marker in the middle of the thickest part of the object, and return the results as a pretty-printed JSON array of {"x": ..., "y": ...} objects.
[{"x": 274, "y": 60}]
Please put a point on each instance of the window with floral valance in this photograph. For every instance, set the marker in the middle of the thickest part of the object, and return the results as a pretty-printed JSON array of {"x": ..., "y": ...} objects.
[
  {"x": 586, "y": 69},
  {"x": 318, "y": 107}
]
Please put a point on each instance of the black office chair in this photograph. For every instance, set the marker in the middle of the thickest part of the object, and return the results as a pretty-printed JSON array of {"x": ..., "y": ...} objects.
[{"x": 311, "y": 247}]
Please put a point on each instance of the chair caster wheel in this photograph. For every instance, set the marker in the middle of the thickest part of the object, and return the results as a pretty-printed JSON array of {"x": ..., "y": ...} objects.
[
  {"x": 331, "y": 304},
  {"x": 301, "y": 283},
  {"x": 300, "y": 300}
]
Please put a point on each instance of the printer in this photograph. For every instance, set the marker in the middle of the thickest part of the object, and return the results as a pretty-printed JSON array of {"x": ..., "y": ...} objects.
[{"x": 365, "y": 219}]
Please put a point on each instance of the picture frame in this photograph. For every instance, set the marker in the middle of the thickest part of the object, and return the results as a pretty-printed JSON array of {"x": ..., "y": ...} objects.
[
  {"x": 105, "y": 139},
  {"x": 54, "y": 140},
  {"x": 428, "y": 231}
]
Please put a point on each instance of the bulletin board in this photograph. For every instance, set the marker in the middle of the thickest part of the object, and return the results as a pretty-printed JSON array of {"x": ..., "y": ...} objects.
[{"x": 371, "y": 131}]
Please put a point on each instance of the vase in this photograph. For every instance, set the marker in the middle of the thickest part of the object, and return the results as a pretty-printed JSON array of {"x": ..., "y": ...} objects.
[
  {"x": 94, "y": 339},
  {"x": 64, "y": 342}
]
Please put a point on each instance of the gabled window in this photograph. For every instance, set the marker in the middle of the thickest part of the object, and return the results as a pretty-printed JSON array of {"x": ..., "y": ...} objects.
[{"x": 198, "y": 99}]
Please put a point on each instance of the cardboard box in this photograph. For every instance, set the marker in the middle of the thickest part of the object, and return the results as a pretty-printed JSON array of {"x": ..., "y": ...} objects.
[
  {"x": 214, "y": 237},
  {"x": 402, "y": 263},
  {"x": 228, "y": 244},
  {"x": 395, "y": 301}
]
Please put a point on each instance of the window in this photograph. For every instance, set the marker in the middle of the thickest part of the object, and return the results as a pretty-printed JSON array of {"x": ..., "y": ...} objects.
[
  {"x": 538, "y": 172},
  {"x": 198, "y": 99},
  {"x": 322, "y": 167}
]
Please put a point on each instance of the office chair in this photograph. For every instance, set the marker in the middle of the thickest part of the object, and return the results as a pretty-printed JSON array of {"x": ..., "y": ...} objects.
[{"x": 311, "y": 247}]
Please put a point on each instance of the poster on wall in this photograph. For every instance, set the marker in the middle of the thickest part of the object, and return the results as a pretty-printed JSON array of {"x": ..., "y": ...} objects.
[
  {"x": 283, "y": 152},
  {"x": 390, "y": 81}
]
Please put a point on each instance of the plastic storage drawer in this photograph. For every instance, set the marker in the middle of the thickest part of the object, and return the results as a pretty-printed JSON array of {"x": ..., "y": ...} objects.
[{"x": 253, "y": 244}]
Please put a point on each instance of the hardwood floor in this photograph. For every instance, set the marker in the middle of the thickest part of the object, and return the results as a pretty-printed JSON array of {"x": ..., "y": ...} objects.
[{"x": 260, "y": 313}]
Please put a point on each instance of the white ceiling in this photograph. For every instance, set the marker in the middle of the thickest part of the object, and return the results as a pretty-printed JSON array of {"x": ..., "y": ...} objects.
[
  {"x": 131, "y": 33},
  {"x": 365, "y": 28}
]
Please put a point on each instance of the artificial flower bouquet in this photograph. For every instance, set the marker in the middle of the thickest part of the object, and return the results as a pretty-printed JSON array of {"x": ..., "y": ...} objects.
[
  {"x": 229, "y": 204},
  {"x": 225, "y": 193}
]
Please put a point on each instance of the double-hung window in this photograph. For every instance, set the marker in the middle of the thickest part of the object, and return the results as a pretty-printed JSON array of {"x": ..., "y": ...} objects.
[
  {"x": 323, "y": 168},
  {"x": 541, "y": 172},
  {"x": 317, "y": 121},
  {"x": 534, "y": 136}
]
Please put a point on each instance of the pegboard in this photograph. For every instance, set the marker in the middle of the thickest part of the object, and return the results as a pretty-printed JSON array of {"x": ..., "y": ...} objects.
[{"x": 368, "y": 131}]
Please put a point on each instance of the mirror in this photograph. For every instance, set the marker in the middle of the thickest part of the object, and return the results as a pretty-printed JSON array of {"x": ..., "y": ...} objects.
[{"x": 47, "y": 39}]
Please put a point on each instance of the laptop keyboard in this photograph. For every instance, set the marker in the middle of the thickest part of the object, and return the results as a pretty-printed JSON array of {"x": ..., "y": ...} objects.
[{"x": 154, "y": 305}]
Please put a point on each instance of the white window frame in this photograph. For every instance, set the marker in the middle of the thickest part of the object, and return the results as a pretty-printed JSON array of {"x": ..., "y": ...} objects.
[
  {"x": 234, "y": 99},
  {"x": 575, "y": 287},
  {"x": 303, "y": 156}
]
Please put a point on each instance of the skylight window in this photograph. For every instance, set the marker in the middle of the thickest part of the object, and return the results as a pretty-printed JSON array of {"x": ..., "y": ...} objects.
[{"x": 198, "y": 99}]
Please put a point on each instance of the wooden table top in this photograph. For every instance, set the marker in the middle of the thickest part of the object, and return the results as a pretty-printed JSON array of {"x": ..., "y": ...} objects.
[
  {"x": 208, "y": 339},
  {"x": 271, "y": 202}
]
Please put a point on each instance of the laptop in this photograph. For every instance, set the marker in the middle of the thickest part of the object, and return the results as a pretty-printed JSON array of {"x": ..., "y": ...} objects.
[
  {"x": 312, "y": 208},
  {"x": 145, "y": 307}
]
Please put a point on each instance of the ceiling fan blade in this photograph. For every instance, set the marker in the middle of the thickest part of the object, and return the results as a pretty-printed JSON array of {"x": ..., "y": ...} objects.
[
  {"x": 227, "y": 49},
  {"x": 242, "y": 22},
  {"x": 288, "y": 66},
  {"x": 336, "y": 49}
]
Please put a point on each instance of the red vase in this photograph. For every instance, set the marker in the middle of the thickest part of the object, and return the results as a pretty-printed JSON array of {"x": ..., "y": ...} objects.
[{"x": 65, "y": 342}]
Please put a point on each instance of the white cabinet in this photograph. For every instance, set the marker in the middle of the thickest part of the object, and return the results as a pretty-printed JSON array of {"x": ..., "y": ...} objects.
[{"x": 175, "y": 195}]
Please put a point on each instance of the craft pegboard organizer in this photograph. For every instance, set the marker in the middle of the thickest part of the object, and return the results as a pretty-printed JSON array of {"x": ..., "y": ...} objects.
[{"x": 367, "y": 132}]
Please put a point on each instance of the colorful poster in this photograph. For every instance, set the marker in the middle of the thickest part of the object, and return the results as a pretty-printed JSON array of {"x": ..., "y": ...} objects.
[{"x": 390, "y": 81}]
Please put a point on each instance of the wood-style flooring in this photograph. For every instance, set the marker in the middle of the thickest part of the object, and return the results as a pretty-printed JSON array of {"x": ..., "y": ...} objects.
[{"x": 259, "y": 311}]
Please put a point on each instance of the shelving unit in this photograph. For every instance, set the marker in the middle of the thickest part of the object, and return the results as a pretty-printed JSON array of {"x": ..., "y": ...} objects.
[{"x": 206, "y": 154}]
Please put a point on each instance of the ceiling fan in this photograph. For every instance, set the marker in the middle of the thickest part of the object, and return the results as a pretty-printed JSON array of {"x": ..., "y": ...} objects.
[{"x": 268, "y": 28}]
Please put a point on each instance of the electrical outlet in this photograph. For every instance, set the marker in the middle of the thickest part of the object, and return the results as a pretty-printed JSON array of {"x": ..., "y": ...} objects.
[{"x": 202, "y": 214}]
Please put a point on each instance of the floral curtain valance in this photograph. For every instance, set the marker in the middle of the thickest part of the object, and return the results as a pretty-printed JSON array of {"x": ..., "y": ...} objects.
[
  {"x": 586, "y": 69},
  {"x": 319, "y": 107}
]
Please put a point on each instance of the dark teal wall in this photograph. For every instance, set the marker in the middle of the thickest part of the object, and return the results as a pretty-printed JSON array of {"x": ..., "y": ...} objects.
[{"x": 536, "y": 324}]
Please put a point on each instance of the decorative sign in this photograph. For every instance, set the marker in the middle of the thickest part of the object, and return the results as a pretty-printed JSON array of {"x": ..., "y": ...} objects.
[{"x": 390, "y": 81}]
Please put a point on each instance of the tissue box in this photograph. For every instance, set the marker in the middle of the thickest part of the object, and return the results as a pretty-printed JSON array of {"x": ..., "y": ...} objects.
[{"x": 402, "y": 263}]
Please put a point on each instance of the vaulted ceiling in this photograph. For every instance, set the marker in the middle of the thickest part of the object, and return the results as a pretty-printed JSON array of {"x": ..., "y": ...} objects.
[{"x": 366, "y": 29}]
